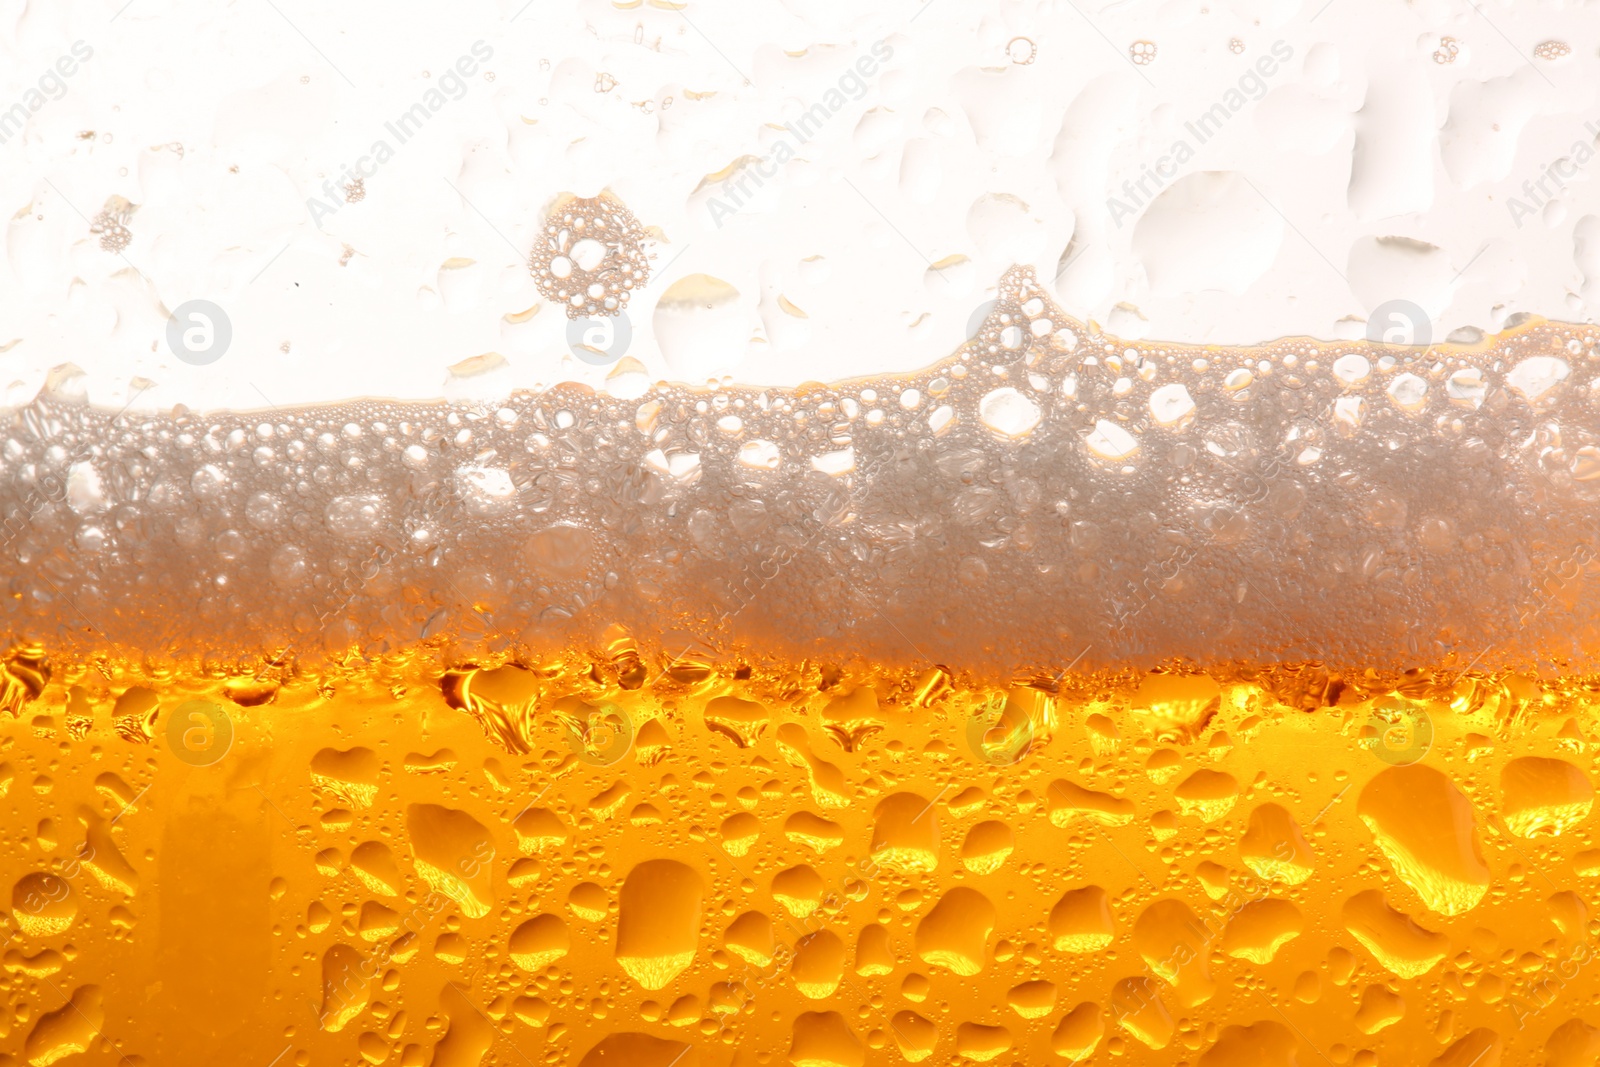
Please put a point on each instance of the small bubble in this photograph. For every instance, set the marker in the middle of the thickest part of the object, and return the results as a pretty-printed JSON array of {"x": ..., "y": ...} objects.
[{"x": 1022, "y": 51}]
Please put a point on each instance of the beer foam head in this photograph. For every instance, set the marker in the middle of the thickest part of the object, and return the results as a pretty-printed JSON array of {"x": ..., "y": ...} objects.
[{"x": 1048, "y": 493}]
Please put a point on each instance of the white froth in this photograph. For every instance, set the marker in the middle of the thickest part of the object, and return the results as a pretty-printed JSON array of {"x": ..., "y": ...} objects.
[{"x": 1173, "y": 502}]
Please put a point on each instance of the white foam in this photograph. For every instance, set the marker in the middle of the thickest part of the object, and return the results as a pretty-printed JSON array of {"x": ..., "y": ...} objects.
[
  {"x": 1278, "y": 169},
  {"x": 999, "y": 510}
]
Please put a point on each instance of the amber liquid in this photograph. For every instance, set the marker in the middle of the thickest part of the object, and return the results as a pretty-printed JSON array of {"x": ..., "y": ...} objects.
[{"x": 604, "y": 860}]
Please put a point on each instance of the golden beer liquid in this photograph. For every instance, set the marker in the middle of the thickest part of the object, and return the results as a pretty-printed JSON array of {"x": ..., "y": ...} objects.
[
  {"x": 708, "y": 866},
  {"x": 412, "y": 842}
]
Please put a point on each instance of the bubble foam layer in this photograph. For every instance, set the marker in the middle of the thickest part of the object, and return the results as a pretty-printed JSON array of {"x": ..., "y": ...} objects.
[{"x": 1047, "y": 494}]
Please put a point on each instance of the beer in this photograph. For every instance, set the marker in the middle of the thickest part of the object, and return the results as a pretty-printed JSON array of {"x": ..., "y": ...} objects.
[{"x": 1073, "y": 700}]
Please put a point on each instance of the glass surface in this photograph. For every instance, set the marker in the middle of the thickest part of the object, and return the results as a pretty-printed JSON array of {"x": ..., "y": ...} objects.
[{"x": 828, "y": 534}]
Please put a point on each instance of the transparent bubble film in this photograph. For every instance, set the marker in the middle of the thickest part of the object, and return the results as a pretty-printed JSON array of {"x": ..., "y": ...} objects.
[{"x": 1047, "y": 495}]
